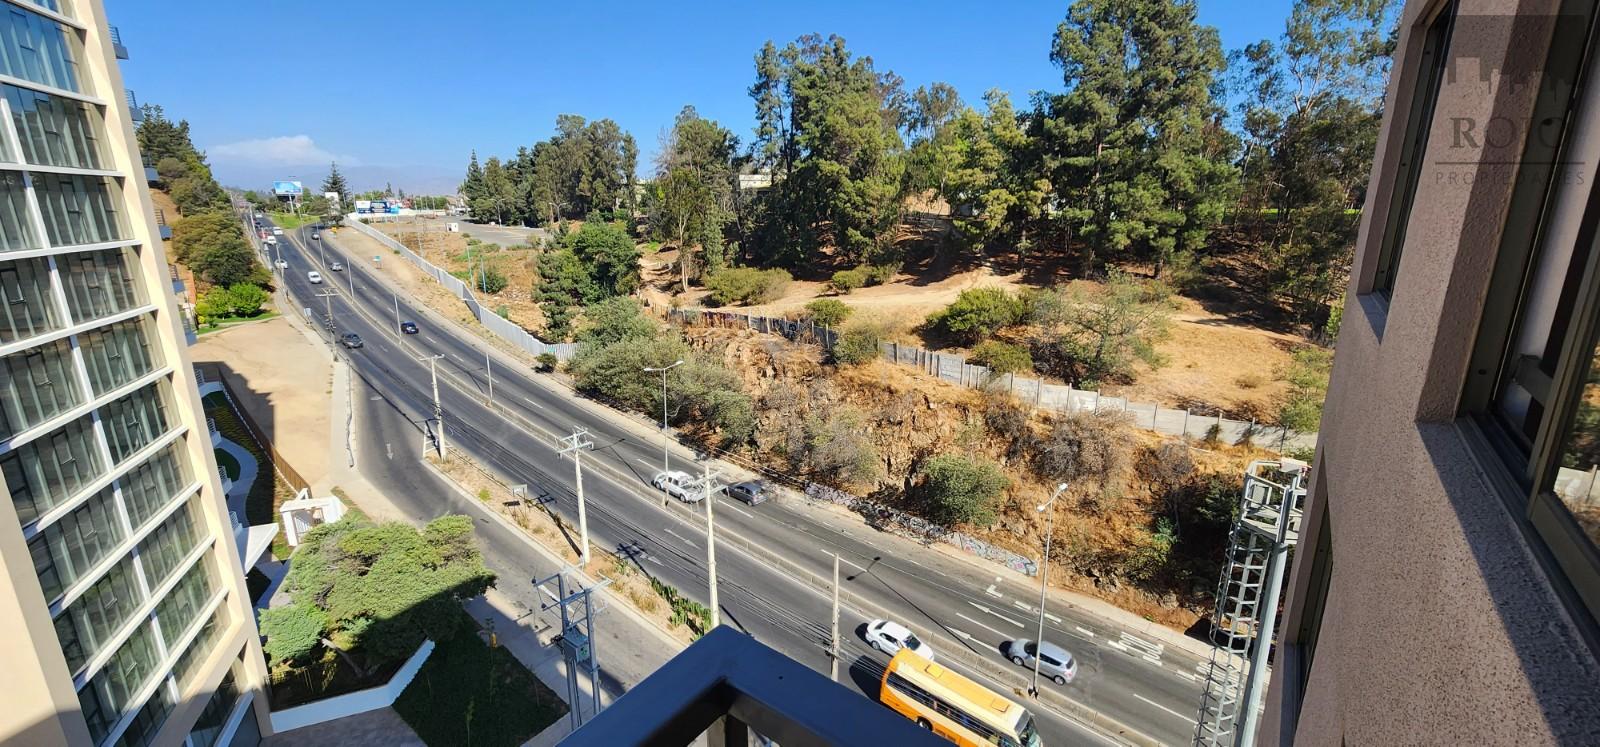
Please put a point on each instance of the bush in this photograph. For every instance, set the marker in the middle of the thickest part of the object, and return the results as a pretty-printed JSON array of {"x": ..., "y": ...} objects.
[
  {"x": 614, "y": 320},
  {"x": 858, "y": 345},
  {"x": 702, "y": 391},
  {"x": 1002, "y": 357},
  {"x": 977, "y": 313},
  {"x": 1092, "y": 448},
  {"x": 293, "y": 632},
  {"x": 503, "y": 311},
  {"x": 845, "y": 281},
  {"x": 1101, "y": 335},
  {"x": 490, "y": 280},
  {"x": 834, "y": 449},
  {"x": 746, "y": 285},
  {"x": 959, "y": 489},
  {"x": 548, "y": 362},
  {"x": 1307, "y": 375},
  {"x": 1010, "y": 424},
  {"x": 238, "y": 300},
  {"x": 882, "y": 273},
  {"x": 828, "y": 312}
]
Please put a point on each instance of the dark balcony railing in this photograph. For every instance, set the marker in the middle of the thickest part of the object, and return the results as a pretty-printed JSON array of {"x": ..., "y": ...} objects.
[
  {"x": 134, "y": 111},
  {"x": 116, "y": 43},
  {"x": 161, "y": 224},
  {"x": 728, "y": 686}
]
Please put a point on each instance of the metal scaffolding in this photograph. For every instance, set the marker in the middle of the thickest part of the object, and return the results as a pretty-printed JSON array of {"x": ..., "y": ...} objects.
[{"x": 1247, "y": 602}]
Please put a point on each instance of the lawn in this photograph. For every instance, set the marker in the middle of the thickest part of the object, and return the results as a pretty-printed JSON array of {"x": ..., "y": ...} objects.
[
  {"x": 290, "y": 221},
  {"x": 267, "y": 491},
  {"x": 218, "y": 324},
  {"x": 228, "y": 465},
  {"x": 470, "y": 694}
]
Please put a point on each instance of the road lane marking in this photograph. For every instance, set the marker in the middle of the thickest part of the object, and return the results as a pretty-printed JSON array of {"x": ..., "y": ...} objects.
[
  {"x": 1083, "y": 630},
  {"x": 740, "y": 510},
  {"x": 1188, "y": 676},
  {"x": 1001, "y": 633},
  {"x": 675, "y": 534},
  {"x": 993, "y": 593},
  {"x": 531, "y": 402},
  {"x": 962, "y": 633},
  {"x": 1021, "y": 606},
  {"x": 1186, "y": 719},
  {"x": 996, "y": 614},
  {"x": 1052, "y": 618}
]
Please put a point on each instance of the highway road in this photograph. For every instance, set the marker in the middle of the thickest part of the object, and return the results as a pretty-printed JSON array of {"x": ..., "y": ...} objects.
[{"x": 764, "y": 589}]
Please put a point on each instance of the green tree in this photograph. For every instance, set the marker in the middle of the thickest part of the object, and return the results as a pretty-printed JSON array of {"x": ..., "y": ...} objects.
[
  {"x": 829, "y": 312},
  {"x": 977, "y": 313},
  {"x": 335, "y": 181},
  {"x": 564, "y": 284},
  {"x": 1307, "y": 375},
  {"x": 293, "y": 632},
  {"x": 961, "y": 490},
  {"x": 1102, "y": 334},
  {"x": 187, "y": 176},
  {"x": 859, "y": 344},
  {"x": 213, "y": 245},
  {"x": 703, "y": 391},
  {"x": 694, "y": 193},
  {"x": 472, "y": 187},
  {"x": 614, "y": 320},
  {"x": 610, "y": 255},
  {"x": 746, "y": 285},
  {"x": 1002, "y": 357}
]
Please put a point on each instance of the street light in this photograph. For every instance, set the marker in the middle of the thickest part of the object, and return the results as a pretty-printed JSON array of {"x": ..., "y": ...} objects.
[
  {"x": 664, "y": 440},
  {"x": 1044, "y": 567}
]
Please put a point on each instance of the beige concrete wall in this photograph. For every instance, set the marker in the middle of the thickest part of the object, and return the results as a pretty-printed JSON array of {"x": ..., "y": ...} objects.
[{"x": 1440, "y": 625}]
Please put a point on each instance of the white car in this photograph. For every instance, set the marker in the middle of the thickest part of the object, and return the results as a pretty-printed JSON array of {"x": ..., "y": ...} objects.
[
  {"x": 271, "y": 240},
  {"x": 678, "y": 485},
  {"x": 280, "y": 264},
  {"x": 889, "y": 637},
  {"x": 277, "y": 231},
  {"x": 314, "y": 276}
]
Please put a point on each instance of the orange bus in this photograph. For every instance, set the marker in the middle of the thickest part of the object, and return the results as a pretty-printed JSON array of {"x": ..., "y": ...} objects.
[{"x": 953, "y": 706}]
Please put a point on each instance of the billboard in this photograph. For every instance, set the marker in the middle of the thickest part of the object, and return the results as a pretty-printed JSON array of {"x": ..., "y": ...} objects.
[{"x": 288, "y": 189}]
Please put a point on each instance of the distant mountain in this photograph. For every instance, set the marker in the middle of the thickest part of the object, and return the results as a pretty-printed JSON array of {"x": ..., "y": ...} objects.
[{"x": 420, "y": 180}]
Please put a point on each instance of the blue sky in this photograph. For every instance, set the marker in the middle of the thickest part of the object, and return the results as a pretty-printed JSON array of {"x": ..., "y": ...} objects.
[{"x": 402, "y": 91}]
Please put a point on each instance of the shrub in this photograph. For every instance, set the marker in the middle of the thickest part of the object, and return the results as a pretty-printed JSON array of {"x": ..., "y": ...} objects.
[
  {"x": 503, "y": 311},
  {"x": 858, "y": 345},
  {"x": 490, "y": 280},
  {"x": 613, "y": 320},
  {"x": 828, "y": 312},
  {"x": 835, "y": 449},
  {"x": 1307, "y": 375},
  {"x": 293, "y": 632},
  {"x": 548, "y": 362},
  {"x": 845, "y": 281},
  {"x": 1009, "y": 423},
  {"x": 746, "y": 285},
  {"x": 702, "y": 391},
  {"x": 881, "y": 273},
  {"x": 1002, "y": 357},
  {"x": 960, "y": 489},
  {"x": 1103, "y": 334},
  {"x": 977, "y": 313},
  {"x": 1093, "y": 448}
]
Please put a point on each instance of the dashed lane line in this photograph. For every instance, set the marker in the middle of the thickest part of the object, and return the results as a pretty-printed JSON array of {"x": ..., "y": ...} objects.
[
  {"x": 1186, "y": 719},
  {"x": 1083, "y": 630}
]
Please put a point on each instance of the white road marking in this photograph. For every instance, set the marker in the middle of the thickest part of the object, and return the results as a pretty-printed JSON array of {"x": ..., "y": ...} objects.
[
  {"x": 1152, "y": 659},
  {"x": 963, "y": 634},
  {"x": 1083, "y": 630},
  {"x": 740, "y": 510},
  {"x": 531, "y": 402},
  {"x": 1052, "y": 618},
  {"x": 1187, "y": 719},
  {"x": 643, "y": 462},
  {"x": 994, "y": 593},
  {"x": 1021, "y": 606},
  {"x": 982, "y": 625},
  {"x": 675, "y": 534},
  {"x": 996, "y": 614},
  {"x": 1188, "y": 676}
]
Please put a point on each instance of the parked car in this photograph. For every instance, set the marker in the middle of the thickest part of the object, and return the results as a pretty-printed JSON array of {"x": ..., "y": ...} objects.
[
  {"x": 753, "y": 493},
  {"x": 1054, "y": 661},
  {"x": 889, "y": 637},
  {"x": 678, "y": 485},
  {"x": 409, "y": 328},
  {"x": 350, "y": 340},
  {"x": 336, "y": 266},
  {"x": 314, "y": 277},
  {"x": 273, "y": 240},
  {"x": 280, "y": 264}
]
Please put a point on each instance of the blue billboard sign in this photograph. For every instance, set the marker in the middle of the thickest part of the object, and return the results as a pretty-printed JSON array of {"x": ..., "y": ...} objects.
[{"x": 288, "y": 189}]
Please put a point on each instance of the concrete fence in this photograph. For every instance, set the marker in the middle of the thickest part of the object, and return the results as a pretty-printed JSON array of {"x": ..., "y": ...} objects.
[
  {"x": 350, "y": 704},
  {"x": 915, "y": 527},
  {"x": 1058, "y": 397},
  {"x": 499, "y": 326}
]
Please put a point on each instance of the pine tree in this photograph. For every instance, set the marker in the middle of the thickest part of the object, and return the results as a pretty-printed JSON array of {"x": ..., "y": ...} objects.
[
  {"x": 472, "y": 187},
  {"x": 335, "y": 182}
]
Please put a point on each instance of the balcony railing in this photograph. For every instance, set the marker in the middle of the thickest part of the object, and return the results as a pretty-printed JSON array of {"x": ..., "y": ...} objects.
[
  {"x": 727, "y": 685},
  {"x": 134, "y": 112},
  {"x": 116, "y": 43},
  {"x": 177, "y": 280},
  {"x": 161, "y": 224}
]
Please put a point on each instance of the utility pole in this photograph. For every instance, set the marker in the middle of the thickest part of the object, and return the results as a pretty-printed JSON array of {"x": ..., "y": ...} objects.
[
  {"x": 833, "y": 671},
  {"x": 577, "y": 638},
  {"x": 708, "y": 485},
  {"x": 665, "y": 441},
  {"x": 438, "y": 409},
  {"x": 327, "y": 296},
  {"x": 489, "y": 370},
  {"x": 576, "y": 443},
  {"x": 1044, "y": 567},
  {"x": 397, "y": 329}
]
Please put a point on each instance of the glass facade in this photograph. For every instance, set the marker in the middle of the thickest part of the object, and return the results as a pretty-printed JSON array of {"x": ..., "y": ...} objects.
[
  {"x": 27, "y": 306},
  {"x": 79, "y": 209},
  {"x": 142, "y": 730},
  {"x": 116, "y": 354},
  {"x": 70, "y": 546},
  {"x": 48, "y": 470},
  {"x": 153, "y": 484},
  {"x": 165, "y": 548},
  {"x": 215, "y": 716},
  {"x": 16, "y": 223},
  {"x": 98, "y": 284},
  {"x": 120, "y": 680},
  {"x": 179, "y": 612},
  {"x": 55, "y": 131},
  {"x": 188, "y": 665},
  {"x": 92, "y": 619},
  {"x": 134, "y": 421},
  {"x": 38, "y": 49},
  {"x": 36, "y": 385}
]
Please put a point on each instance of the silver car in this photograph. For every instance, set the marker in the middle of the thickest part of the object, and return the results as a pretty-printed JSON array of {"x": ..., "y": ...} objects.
[{"x": 1054, "y": 662}]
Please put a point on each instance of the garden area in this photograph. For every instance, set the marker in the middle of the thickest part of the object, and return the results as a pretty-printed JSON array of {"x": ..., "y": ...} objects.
[
  {"x": 268, "y": 491},
  {"x": 364, "y": 598}
]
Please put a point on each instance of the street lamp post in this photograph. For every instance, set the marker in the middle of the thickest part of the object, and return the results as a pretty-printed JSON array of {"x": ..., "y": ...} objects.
[
  {"x": 1044, "y": 567},
  {"x": 665, "y": 442}
]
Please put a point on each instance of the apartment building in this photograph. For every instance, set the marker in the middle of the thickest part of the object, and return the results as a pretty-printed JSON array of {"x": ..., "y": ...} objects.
[
  {"x": 122, "y": 601},
  {"x": 1447, "y": 585}
]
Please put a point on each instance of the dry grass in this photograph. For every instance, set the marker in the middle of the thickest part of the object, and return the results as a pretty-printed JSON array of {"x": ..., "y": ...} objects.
[{"x": 449, "y": 251}]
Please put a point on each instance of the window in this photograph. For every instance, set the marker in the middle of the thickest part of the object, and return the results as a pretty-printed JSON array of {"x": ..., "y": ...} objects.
[
  {"x": 16, "y": 223},
  {"x": 215, "y": 716},
  {"x": 79, "y": 209},
  {"x": 98, "y": 284},
  {"x": 55, "y": 131},
  {"x": 105, "y": 697},
  {"x": 27, "y": 305},
  {"x": 1419, "y": 119},
  {"x": 38, "y": 49},
  {"x": 66, "y": 550},
  {"x": 1532, "y": 386},
  {"x": 47, "y": 471},
  {"x": 179, "y": 612},
  {"x": 142, "y": 730},
  {"x": 117, "y": 354},
  {"x": 188, "y": 664},
  {"x": 36, "y": 385},
  {"x": 167, "y": 546},
  {"x": 1316, "y": 594},
  {"x": 153, "y": 484},
  {"x": 86, "y": 625},
  {"x": 135, "y": 421}
]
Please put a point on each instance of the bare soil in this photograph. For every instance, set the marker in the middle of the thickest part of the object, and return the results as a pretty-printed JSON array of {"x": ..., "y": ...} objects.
[
  {"x": 449, "y": 250},
  {"x": 285, "y": 388}
]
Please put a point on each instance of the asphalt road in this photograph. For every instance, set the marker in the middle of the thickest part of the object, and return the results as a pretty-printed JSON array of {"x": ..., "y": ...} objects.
[{"x": 950, "y": 602}]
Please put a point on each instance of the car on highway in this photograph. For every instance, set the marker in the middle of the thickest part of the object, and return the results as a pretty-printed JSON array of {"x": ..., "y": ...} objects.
[
  {"x": 409, "y": 328},
  {"x": 273, "y": 240},
  {"x": 350, "y": 340},
  {"x": 752, "y": 492},
  {"x": 336, "y": 266},
  {"x": 889, "y": 637},
  {"x": 677, "y": 484},
  {"x": 276, "y": 231},
  {"x": 1055, "y": 663},
  {"x": 314, "y": 276},
  {"x": 280, "y": 264},
  {"x": 316, "y": 235}
]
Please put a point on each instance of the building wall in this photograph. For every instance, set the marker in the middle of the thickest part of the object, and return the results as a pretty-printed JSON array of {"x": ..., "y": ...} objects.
[
  {"x": 1442, "y": 625},
  {"x": 43, "y": 705}
]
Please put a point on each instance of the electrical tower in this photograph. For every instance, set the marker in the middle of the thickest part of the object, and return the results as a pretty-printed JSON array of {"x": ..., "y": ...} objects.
[
  {"x": 1246, "y": 616},
  {"x": 577, "y": 638}
]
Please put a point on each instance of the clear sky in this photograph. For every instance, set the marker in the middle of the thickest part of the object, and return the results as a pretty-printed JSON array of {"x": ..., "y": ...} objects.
[{"x": 402, "y": 91}]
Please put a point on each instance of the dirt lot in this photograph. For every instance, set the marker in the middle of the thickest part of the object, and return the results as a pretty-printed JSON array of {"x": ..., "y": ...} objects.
[
  {"x": 450, "y": 250},
  {"x": 284, "y": 387}
]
